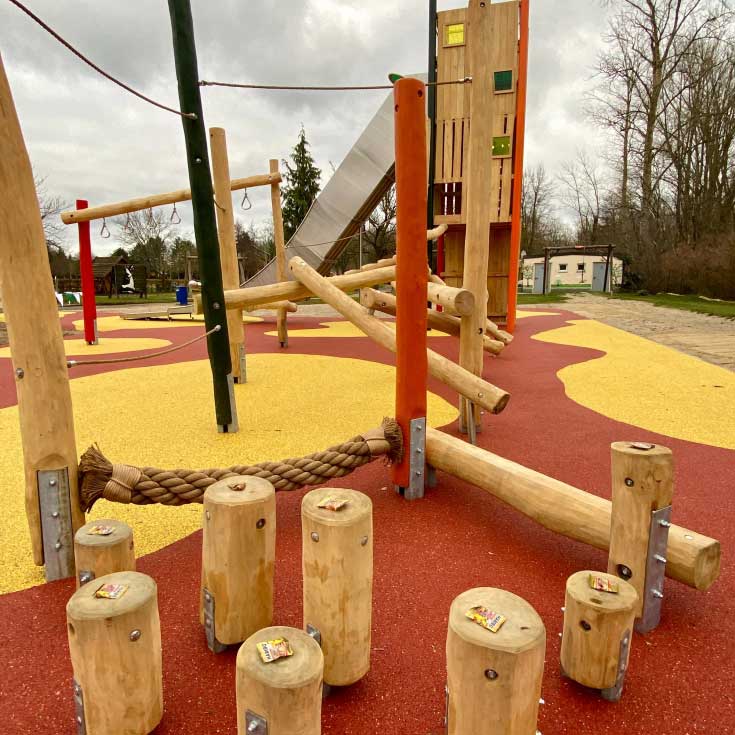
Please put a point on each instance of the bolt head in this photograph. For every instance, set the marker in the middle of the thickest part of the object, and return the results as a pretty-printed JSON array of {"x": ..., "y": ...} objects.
[
  {"x": 20, "y": 373},
  {"x": 363, "y": 541},
  {"x": 135, "y": 635},
  {"x": 261, "y": 523},
  {"x": 52, "y": 482},
  {"x": 629, "y": 482},
  {"x": 57, "y": 545},
  {"x": 491, "y": 674},
  {"x": 314, "y": 536},
  {"x": 55, "y": 514},
  {"x": 208, "y": 597}
]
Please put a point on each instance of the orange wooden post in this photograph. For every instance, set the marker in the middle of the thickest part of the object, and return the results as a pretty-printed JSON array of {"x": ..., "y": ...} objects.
[
  {"x": 520, "y": 139},
  {"x": 411, "y": 265}
]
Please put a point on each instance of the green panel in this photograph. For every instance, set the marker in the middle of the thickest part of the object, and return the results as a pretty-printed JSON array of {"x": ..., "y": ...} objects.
[
  {"x": 504, "y": 81},
  {"x": 501, "y": 146}
]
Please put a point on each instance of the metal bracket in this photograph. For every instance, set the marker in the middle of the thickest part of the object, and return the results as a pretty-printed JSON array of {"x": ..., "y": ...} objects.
[
  {"x": 85, "y": 576},
  {"x": 234, "y": 426},
  {"x": 242, "y": 360},
  {"x": 431, "y": 480},
  {"x": 56, "y": 525},
  {"x": 613, "y": 693},
  {"x": 314, "y": 632},
  {"x": 468, "y": 419},
  {"x": 446, "y": 708},
  {"x": 209, "y": 630},
  {"x": 658, "y": 541},
  {"x": 79, "y": 708},
  {"x": 255, "y": 724},
  {"x": 417, "y": 461}
]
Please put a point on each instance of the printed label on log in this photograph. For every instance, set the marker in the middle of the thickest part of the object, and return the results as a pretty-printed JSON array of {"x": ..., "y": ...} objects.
[
  {"x": 486, "y": 618},
  {"x": 111, "y": 591},
  {"x": 602, "y": 584},
  {"x": 273, "y": 650},
  {"x": 334, "y": 504},
  {"x": 100, "y": 531}
]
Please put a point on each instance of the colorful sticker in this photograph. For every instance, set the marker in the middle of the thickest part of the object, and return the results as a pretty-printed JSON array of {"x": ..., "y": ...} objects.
[
  {"x": 273, "y": 650},
  {"x": 111, "y": 591},
  {"x": 486, "y": 618},
  {"x": 334, "y": 504},
  {"x": 101, "y": 531},
  {"x": 603, "y": 584}
]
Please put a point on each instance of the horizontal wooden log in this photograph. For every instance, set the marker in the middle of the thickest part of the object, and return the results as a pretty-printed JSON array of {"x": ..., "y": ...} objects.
[
  {"x": 490, "y": 326},
  {"x": 436, "y": 233},
  {"x": 75, "y": 216},
  {"x": 387, "y": 303},
  {"x": 287, "y": 305},
  {"x": 241, "y": 298},
  {"x": 383, "y": 263},
  {"x": 692, "y": 558},
  {"x": 455, "y": 300},
  {"x": 471, "y": 386}
]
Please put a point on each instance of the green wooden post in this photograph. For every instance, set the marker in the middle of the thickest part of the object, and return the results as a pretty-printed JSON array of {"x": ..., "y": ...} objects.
[{"x": 205, "y": 222}]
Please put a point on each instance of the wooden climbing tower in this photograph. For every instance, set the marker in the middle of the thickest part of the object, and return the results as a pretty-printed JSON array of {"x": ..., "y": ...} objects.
[{"x": 503, "y": 44}]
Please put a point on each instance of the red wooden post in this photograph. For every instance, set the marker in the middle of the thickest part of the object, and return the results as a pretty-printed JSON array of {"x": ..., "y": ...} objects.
[
  {"x": 411, "y": 268},
  {"x": 520, "y": 137},
  {"x": 89, "y": 306}
]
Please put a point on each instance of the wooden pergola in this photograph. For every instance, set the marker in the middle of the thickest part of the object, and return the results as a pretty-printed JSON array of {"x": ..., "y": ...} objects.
[{"x": 604, "y": 250}]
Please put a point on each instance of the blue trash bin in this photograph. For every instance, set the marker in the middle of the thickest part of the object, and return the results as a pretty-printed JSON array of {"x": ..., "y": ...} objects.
[{"x": 182, "y": 295}]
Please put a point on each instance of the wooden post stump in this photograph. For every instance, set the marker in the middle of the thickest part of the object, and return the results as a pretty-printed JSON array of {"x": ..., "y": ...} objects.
[
  {"x": 103, "y": 547},
  {"x": 284, "y": 695},
  {"x": 238, "y": 556},
  {"x": 115, "y": 647},
  {"x": 338, "y": 579},
  {"x": 642, "y": 490},
  {"x": 598, "y": 632},
  {"x": 494, "y": 679}
]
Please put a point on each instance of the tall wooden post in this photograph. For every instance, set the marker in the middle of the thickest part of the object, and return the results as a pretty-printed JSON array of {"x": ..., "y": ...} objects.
[
  {"x": 205, "y": 224},
  {"x": 478, "y": 190},
  {"x": 411, "y": 357},
  {"x": 280, "y": 241},
  {"x": 89, "y": 305},
  {"x": 228, "y": 247},
  {"x": 431, "y": 113},
  {"x": 520, "y": 142},
  {"x": 37, "y": 349}
]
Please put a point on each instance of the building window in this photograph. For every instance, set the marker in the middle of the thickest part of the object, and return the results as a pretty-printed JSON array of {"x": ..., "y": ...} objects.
[
  {"x": 562, "y": 267},
  {"x": 454, "y": 34},
  {"x": 503, "y": 81},
  {"x": 501, "y": 146},
  {"x": 580, "y": 267}
]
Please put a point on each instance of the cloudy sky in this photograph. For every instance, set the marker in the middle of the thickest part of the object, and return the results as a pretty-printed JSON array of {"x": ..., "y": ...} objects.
[{"x": 92, "y": 140}]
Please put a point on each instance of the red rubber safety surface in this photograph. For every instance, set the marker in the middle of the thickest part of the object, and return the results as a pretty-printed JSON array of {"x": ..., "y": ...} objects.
[{"x": 426, "y": 553}]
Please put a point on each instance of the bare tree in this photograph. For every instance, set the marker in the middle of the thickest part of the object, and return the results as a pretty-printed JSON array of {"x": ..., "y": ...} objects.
[
  {"x": 582, "y": 195},
  {"x": 51, "y": 207},
  {"x": 148, "y": 234},
  {"x": 536, "y": 207}
]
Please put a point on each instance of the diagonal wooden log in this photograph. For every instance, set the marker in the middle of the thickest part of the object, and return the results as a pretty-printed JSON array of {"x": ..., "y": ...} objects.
[
  {"x": 474, "y": 388},
  {"x": 242, "y": 298},
  {"x": 387, "y": 303},
  {"x": 692, "y": 558}
]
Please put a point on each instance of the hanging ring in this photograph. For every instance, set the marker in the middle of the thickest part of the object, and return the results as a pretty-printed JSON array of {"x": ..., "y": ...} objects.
[
  {"x": 104, "y": 232},
  {"x": 246, "y": 199},
  {"x": 175, "y": 217}
]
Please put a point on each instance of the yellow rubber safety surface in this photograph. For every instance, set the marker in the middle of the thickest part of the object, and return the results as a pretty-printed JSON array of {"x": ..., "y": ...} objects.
[
  {"x": 646, "y": 384},
  {"x": 79, "y": 348},
  {"x": 342, "y": 329},
  {"x": 117, "y": 323},
  {"x": 164, "y": 416},
  {"x": 527, "y": 314}
]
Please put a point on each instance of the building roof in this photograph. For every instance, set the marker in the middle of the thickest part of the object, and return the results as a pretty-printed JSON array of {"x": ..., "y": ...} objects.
[{"x": 103, "y": 265}]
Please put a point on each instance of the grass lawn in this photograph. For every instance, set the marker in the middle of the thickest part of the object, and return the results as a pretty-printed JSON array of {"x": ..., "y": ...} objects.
[
  {"x": 153, "y": 298},
  {"x": 724, "y": 309},
  {"x": 555, "y": 297}
]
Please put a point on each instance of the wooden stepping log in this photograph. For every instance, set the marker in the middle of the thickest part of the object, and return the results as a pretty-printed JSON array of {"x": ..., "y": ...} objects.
[
  {"x": 115, "y": 647},
  {"x": 338, "y": 580},
  {"x": 494, "y": 679},
  {"x": 103, "y": 547},
  {"x": 598, "y": 631},
  {"x": 238, "y": 556},
  {"x": 283, "y": 697}
]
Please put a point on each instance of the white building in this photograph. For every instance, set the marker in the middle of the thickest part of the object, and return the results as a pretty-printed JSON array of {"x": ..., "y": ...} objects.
[{"x": 570, "y": 270}]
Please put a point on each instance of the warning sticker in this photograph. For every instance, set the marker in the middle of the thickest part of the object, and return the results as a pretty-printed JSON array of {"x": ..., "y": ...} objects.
[
  {"x": 273, "y": 650},
  {"x": 486, "y": 618}
]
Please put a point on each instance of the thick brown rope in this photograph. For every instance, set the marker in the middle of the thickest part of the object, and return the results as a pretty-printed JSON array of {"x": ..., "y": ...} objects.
[{"x": 143, "y": 486}]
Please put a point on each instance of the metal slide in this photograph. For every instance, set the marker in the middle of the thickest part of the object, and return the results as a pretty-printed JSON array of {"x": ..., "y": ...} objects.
[{"x": 353, "y": 192}]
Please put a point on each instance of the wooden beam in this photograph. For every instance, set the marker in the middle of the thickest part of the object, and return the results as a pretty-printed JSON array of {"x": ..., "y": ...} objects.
[
  {"x": 227, "y": 247},
  {"x": 692, "y": 558},
  {"x": 455, "y": 300},
  {"x": 157, "y": 200},
  {"x": 474, "y": 388},
  {"x": 387, "y": 303},
  {"x": 36, "y": 341},
  {"x": 241, "y": 298},
  {"x": 280, "y": 242}
]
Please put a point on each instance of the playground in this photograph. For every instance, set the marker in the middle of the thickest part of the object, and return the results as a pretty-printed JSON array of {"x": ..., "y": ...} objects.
[{"x": 566, "y": 482}]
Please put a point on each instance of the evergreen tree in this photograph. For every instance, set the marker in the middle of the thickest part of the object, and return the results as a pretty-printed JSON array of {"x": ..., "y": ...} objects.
[{"x": 302, "y": 186}]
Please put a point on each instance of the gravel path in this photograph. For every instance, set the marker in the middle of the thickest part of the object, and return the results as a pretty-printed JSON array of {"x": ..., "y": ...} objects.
[{"x": 710, "y": 338}]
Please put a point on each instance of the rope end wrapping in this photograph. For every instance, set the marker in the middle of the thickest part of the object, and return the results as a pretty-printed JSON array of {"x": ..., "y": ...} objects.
[
  {"x": 99, "y": 478},
  {"x": 394, "y": 436}
]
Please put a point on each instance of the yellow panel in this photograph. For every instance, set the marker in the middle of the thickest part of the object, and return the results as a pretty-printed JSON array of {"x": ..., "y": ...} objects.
[{"x": 454, "y": 34}]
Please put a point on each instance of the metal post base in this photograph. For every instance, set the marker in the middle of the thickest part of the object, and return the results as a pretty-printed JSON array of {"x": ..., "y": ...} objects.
[
  {"x": 255, "y": 724},
  {"x": 56, "y": 525},
  {"x": 417, "y": 461},
  {"x": 233, "y": 427},
  {"x": 658, "y": 541},
  {"x": 613, "y": 693},
  {"x": 468, "y": 423},
  {"x": 209, "y": 627},
  {"x": 79, "y": 717}
]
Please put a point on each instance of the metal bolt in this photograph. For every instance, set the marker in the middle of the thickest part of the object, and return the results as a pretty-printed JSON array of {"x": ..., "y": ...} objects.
[
  {"x": 664, "y": 524},
  {"x": 624, "y": 572},
  {"x": 208, "y": 622},
  {"x": 55, "y": 514},
  {"x": 363, "y": 541},
  {"x": 85, "y": 577},
  {"x": 215, "y": 305},
  {"x": 417, "y": 428},
  {"x": 491, "y": 674},
  {"x": 625, "y": 641},
  {"x": 207, "y": 597},
  {"x": 418, "y": 473},
  {"x": 542, "y": 701},
  {"x": 419, "y": 450},
  {"x": 134, "y": 635},
  {"x": 659, "y": 558},
  {"x": 79, "y": 719},
  {"x": 260, "y": 523},
  {"x": 52, "y": 482},
  {"x": 57, "y": 545},
  {"x": 585, "y": 625},
  {"x": 314, "y": 536},
  {"x": 20, "y": 373},
  {"x": 253, "y": 726},
  {"x": 207, "y": 514},
  {"x": 629, "y": 482},
  {"x": 563, "y": 609},
  {"x": 197, "y": 160},
  {"x": 658, "y": 594}
]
